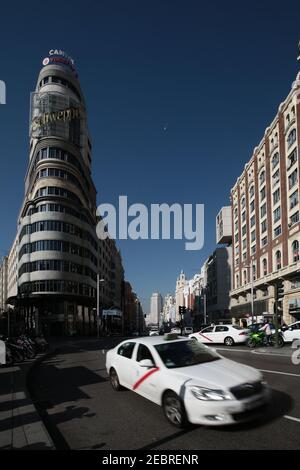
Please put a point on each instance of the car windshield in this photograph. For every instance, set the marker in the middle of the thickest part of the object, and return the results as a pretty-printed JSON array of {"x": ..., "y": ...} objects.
[
  {"x": 237, "y": 327},
  {"x": 184, "y": 354}
]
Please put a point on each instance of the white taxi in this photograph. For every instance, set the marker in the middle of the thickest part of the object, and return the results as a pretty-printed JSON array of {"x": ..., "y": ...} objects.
[
  {"x": 291, "y": 332},
  {"x": 226, "y": 334},
  {"x": 192, "y": 382}
]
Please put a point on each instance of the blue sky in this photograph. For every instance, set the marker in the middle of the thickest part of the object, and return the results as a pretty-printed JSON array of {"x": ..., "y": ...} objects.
[{"x": 214, "y": 72}]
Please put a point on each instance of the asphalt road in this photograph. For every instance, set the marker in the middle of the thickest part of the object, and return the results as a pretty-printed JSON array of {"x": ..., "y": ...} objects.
[{"x": 83, "y": 412}]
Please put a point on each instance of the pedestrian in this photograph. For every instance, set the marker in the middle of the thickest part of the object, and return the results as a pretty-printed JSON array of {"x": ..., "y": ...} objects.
[{"x": 267, "y": 330}]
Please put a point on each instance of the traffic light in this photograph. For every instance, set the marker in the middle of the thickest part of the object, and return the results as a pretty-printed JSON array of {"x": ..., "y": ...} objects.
[
  {"x": 279, "y": 296},
  {"x": 182, "y": 311}
]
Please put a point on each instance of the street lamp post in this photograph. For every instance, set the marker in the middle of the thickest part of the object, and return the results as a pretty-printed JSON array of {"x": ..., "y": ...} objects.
[
  {"x": 98, "y": 304},
  {"x": 252, "y": 292}
]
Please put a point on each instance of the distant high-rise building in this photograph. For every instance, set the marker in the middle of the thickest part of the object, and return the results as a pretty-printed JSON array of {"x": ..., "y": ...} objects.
[{"x": 156, "y": 307}]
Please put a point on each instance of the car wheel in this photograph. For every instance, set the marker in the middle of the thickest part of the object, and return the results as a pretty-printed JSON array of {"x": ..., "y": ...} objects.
[
  {"x": 114, "y": 380},
  {"x": 173, "y": 409},
  {"x": 228, "y": 341},
  {"x": 193, "y": 338}
]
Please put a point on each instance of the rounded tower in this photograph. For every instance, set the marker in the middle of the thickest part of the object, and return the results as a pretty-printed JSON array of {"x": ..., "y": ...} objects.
[{"x": 57, "y": 261}]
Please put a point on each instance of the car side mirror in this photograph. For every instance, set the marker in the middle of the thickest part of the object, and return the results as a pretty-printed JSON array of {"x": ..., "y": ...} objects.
[{"x": 146, "y": 363}]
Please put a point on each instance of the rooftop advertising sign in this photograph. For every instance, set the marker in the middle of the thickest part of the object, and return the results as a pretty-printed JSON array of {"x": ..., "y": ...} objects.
[{"x": 59, "y": 57}]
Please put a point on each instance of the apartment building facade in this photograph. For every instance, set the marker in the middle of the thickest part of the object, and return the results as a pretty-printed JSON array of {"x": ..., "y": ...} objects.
[{"x": 265, "y": 219}]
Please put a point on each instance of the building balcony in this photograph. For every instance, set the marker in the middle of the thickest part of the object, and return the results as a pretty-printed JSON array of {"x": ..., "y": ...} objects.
[
  {"x": 289, "y": 124},
  {"x": 286, "y": 272}
]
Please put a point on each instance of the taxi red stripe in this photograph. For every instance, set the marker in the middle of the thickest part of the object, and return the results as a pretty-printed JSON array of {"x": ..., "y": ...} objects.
[
  {"x": 144, "y": 377},
  {"x": 205, "y": 337}
]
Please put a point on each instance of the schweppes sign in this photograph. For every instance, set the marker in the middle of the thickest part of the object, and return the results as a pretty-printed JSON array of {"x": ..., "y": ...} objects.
[{"x": 64, "y": 115}]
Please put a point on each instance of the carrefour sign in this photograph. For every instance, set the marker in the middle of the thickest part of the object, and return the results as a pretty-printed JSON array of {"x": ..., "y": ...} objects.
[{"x": 59, "y": 57}]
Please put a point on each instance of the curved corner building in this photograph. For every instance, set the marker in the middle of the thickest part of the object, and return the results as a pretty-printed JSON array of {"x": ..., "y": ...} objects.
[{"x": 57, "y": 265}]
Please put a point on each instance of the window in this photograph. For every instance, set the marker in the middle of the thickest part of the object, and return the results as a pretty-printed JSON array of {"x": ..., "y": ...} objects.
[
  {"x": 253, "y": 249},
  {"x": 252, "y": 206},
  {"x": 237, "y": 280},
  {"x": 292, "y": 158},
  {"x": 293, "y": 178},
  {"x": 262, "y": 193},
  {"x": 294, "y": 218},
  {"x": 244, "y": 216},
  {"x": 262, "y": 177},
  {"x": 275, "y": 160},
  {"x": 126, "y": 350},
  {"x": 144, "y": 353},
  {"x": 210, "y": 329},
  {"x": 291, "y": 138},
  {"x": 276, "y": 214},
  {"x": 244, "y": 229},
  {"x": 243, "y": 202},
  {"x": 294, "y": 199},
  {"x": 277, "y": 231},
  {"x": 221, "y": 329},
  {"x": 278, "y": 259},
  {"x": 236, "y": 212},
  {"x": 276, "y": 196},
  {"x": 295, "y": 250},
  {"x": 252, "y": 221},
  {"x": 244, "y": 243},
  {"x": 263, "y": 210},
  {"x": 275, "y": 178},
  {"x": 263, "y": 226},
  {"x": 236, "y": 237},
  {"x": 251, "y": 191},
  {"x": 245, "y": 277},
  {"x": 254, "y": 272},
  {"x": 265, "y": 266},
  {"x": 236, "y": 225},
  {"x": 253, "y": 236},
  {"x": 264, "y": 241}
]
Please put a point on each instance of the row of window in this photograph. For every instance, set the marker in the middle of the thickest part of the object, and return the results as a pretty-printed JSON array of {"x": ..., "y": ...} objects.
[
  {"x": 57, "y": 245},
  {"x": 278, "y": 263},
  {"x": 57, "y": 226},
  {"x": 64, "y": 287},
  {"x": 51, "y": 207},
  {"x": 56, "y": 191},
  {"x": 61, "y": 81},
  {"x": 62, "y": 155},
  {"x": 293, "y": 178},
  {"x": 58, "y": 173},
  {"x": 57, "y": 265}
]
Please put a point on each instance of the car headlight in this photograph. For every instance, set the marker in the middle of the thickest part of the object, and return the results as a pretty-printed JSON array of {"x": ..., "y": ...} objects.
[{"x": 209, "y": 394}]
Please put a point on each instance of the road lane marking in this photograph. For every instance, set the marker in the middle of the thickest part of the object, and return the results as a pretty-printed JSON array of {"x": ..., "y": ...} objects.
[
  {"x": 233, "y": 350},
  {"x": 292, "y": 418},
  {"x": 253, "y": 352},
  {"x": 278, "y": 372}
]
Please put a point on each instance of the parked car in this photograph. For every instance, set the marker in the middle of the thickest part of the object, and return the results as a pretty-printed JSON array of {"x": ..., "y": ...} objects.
[
  {"x": 176, "y": 329},
  {"x": 153, "y": 333},
  {"x": 187, "y": 330},
  {"x": 226, "y": 334},
  {"x": 191, "y": 382}
]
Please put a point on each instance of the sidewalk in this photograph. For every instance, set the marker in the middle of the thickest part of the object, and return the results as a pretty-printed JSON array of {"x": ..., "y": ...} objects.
[{"x": 20, "y": 424}]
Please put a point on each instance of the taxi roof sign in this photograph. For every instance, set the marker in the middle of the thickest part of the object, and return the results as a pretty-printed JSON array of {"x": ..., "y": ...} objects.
[{"x": 170, "y": 336}]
